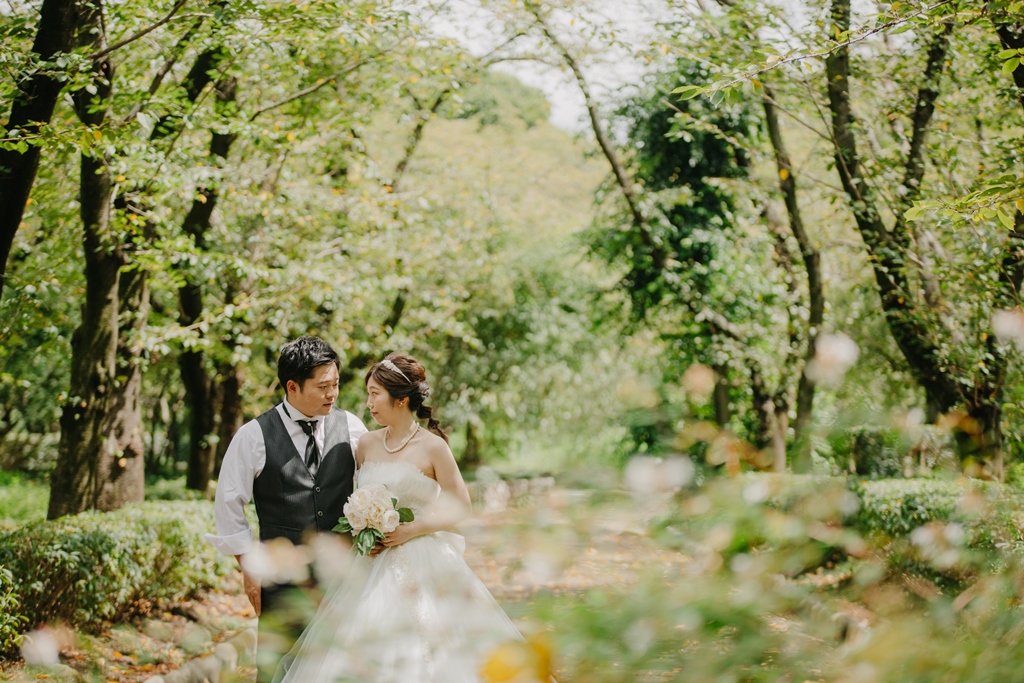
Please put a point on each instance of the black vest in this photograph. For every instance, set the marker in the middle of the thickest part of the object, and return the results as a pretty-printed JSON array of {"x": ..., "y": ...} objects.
[{"x": 289, "y": 502}]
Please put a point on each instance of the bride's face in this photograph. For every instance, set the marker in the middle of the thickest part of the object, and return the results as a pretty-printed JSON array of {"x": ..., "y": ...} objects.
[{"x": 382, "y": 407}]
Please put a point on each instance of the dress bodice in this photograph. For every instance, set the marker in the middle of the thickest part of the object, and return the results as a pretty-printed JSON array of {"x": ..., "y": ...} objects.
[{"x": 405, "y": 481}]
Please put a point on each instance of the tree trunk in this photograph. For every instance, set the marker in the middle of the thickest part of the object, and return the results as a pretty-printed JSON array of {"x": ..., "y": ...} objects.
[
  {"x": 780, "y": 427},
  {"x": 200, "y": 399},
  {"x": 100, "y": 457},
  {"x": 126, "y": 409},
  {"x": 762, "y": 404},
  {"x": 812, "y": 264},
  {"x": 232, "y": 379},
  {"x": 471, "y": 454},
  {"x": 31, "y": 108},
  {"x": 721, "y": 395},
  {"x": 201, "y": 391},
  {"x": 886, "y": 250}
]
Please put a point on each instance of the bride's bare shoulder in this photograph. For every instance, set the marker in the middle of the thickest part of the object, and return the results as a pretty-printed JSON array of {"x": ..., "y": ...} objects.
[
  {"x": 373, "y": 435},
  {"x": 436, "y": 447}
]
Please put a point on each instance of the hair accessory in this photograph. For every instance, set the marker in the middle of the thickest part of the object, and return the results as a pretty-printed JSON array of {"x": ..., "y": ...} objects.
[{"x": 391, "y": 366}]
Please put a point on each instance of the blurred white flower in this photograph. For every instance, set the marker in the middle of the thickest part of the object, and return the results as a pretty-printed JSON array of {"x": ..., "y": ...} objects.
[
  {"x": 539, "y": 567},
  {"x": 741, "y": 563},
  {"x": 646, "y": 475},
  {"x": 41, "y": 647},
  {"x": 277, "y": 561},
  {"x": 699, "y": 382},
  {"x": 954, "y": 533},
  {"x": 923, "y": 536},
  {"x": 1009, "y": 326},
  {"x": 332, "y": 557},
  {"x": 756, "y": 492},
  {"x": 640, "y": 636},
  {"x": 834, "y": 354}
]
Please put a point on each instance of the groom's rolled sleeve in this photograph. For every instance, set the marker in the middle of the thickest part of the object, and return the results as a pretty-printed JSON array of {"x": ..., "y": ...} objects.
[{"x": 243, "y": 462}]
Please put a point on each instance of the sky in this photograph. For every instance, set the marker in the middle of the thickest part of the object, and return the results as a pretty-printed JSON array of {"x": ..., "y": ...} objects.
[{"x": 608, "y": 73}]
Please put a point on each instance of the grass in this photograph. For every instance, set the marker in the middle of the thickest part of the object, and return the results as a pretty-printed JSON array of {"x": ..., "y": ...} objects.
[{"x": 22, "y": 499}]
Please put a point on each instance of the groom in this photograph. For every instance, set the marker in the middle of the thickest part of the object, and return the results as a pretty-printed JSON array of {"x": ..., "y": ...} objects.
[{"x": 296, "y": 462}]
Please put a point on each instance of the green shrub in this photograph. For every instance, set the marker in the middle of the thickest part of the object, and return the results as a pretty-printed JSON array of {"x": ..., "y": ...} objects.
[
  {"x": 967, "y": 526},
  {"x": 11, "y": 620},
  {"x": 898, "y": 506},
  {"x": 1015, "y": 476},
  {"x": 95, "y": 567}
]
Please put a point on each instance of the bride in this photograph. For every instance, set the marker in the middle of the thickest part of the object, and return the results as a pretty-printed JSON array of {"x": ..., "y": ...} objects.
[{"x": 415, "y": 612}]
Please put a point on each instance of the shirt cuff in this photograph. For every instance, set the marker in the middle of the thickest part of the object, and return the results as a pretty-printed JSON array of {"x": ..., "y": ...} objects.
[{"x": 235, "y": 544}]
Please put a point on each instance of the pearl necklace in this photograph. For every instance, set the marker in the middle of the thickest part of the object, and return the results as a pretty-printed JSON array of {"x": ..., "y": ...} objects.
[{"x": 387, "y": 430}]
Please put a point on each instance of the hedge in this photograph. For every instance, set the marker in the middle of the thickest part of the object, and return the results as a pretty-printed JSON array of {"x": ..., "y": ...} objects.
[
  {"x": 896, "y": 507},
  {"x": 11, "y": 620},
  {"x": 89, "y": 569}
]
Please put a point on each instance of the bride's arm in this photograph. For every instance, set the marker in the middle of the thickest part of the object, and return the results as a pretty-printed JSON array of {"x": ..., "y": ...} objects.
[
  {"x": 453, "y": 505},
  {"x": 447, "y": 474}
]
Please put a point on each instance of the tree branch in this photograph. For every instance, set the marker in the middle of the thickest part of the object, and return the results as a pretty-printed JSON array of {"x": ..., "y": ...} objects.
[
  {"x": 886, "y": 256},
  {"x": 622, "y": 176},
  {"x": 149, "y": 29},
  {"x": 313, "y": 88},
  {"x": 164, "y": 69},
  {"x": 417, "y": 135}
]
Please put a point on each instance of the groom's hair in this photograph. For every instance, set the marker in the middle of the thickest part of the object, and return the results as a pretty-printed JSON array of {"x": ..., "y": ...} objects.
[{"x": 300, "y": 357}]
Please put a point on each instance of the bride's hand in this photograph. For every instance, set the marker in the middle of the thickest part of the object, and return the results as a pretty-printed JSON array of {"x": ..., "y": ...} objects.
[{"x": 402, "y": 534}]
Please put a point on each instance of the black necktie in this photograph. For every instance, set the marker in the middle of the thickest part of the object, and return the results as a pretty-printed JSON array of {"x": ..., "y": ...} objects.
[{"x": 312, "y": 456}]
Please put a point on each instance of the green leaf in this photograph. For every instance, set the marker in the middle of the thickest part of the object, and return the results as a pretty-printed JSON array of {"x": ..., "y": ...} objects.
[
  {"x": 343, "y": 526},
  {"x": 1005, "y": 218},
  {"x": 914, "y": 213},
  {"x": 1011, "y": 65},
  {"x": 366, "y": 539},
  {"x": 405, "y": 515},
  {"x": 1006, "y": 54},
  {"x": 688, "y": 92}
]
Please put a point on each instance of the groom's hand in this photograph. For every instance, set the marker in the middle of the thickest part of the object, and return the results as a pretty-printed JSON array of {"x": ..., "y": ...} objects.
[
  {"x": 252, "y": 591},
  {"x": 252, "y": 588}
]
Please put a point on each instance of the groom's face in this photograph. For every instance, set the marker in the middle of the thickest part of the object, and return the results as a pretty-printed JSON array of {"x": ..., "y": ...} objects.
[{"x": 317, "y": 394}]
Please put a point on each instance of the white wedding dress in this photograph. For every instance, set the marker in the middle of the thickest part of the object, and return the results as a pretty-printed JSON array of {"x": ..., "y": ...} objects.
[{"x": 414, "y": 614}]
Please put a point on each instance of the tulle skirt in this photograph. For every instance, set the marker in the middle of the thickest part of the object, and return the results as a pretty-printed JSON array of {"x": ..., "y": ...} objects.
[{"x": 414, "y": 614}]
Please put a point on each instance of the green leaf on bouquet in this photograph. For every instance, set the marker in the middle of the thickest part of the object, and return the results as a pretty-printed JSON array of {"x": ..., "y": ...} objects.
[
  {"x": 405, "y": 515},
  {"x": 394, "y": 502},
  {"x": 343, "y": 526},
  {"x": 365, "y": 540}
]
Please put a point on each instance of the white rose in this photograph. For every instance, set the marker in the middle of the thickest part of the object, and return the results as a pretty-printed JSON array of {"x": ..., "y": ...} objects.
[
  {"x": 382, "y": 498},
  {"x": 357, "y": 500},
  {"x": 356, "y": 519},
  {"x": 390, "y": 522}
]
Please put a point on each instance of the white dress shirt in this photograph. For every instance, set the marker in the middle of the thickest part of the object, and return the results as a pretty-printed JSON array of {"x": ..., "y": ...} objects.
[{"x": 244, "y": 461}]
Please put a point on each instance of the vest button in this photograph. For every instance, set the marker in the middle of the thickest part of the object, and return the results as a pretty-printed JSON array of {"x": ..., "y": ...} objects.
[
  {"x": 319, "y": 513},
  {"x": 317, "y": 489}
]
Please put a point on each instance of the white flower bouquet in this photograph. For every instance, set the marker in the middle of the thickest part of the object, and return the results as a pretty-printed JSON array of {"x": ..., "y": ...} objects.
[{"x": 371, "y": 512}]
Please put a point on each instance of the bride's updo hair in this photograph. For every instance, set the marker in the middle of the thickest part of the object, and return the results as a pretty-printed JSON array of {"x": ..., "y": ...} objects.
[{"x": 408, "y": 381}]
